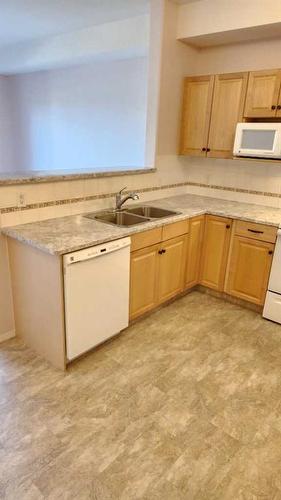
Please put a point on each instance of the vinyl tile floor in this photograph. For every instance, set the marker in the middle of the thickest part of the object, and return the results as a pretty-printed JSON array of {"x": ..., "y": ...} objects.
[{"x": 185, "y": 404}]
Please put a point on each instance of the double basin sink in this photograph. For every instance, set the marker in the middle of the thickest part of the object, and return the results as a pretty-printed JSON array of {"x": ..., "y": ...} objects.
[{"x": 131, "y": 216}]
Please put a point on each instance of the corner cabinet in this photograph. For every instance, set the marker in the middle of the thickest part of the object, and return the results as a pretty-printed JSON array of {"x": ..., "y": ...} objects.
[
  {"x": 215, "y": 251},
  {"x": 212, "y": 106},
  {"x": 194, "y": 242}
]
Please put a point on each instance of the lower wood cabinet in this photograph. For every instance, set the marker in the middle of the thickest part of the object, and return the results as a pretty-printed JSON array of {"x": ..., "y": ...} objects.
[
  {"x": 171, "y": 268},
  {"x": 194, "y": 241},
  {"x": 157, "y": 275},
  {"x": 202, "y": 250},
  {"x": 215, "y": 251},
  {"x": 249, "y": 268},
  {"x": 143, "y": 284}
]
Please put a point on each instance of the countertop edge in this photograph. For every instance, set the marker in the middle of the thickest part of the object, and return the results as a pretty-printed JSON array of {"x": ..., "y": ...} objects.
[{"x": 44, "y": 178}]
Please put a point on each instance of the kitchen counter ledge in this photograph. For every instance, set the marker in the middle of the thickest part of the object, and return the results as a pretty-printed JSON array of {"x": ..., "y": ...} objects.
[{"x": 68, "y": 234}]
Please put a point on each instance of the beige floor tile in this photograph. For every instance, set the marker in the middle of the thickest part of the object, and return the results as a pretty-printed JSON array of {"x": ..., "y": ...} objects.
[{"x": 185, "y": 404}]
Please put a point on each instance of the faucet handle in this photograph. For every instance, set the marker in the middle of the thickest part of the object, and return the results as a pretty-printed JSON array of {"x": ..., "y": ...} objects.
[{"x": 123, "y": 189}]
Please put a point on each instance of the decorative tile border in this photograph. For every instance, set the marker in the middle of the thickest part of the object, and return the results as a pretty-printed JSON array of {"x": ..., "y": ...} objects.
[{"x": 32, "y": 206}]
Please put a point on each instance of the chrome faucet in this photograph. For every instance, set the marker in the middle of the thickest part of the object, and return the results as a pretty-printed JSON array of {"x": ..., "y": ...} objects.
[{"x": 120, "y": 200}]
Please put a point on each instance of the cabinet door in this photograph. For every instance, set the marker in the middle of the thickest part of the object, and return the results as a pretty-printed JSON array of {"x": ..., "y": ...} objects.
[
  {"x": 143, "y": 280},
  {"x": 227, "y": 111},
  {"x": 262, "y": 94},
  {"x": 215, "y": 251},
  {"x": 193, "y": 251},
  {"x": 249, "y": 268},
  {"x": 171, "y": 268},
  {"x": 197, "y": 102}
]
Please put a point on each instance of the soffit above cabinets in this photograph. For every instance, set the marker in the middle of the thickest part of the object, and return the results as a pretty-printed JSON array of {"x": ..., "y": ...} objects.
[{"x": 205, "y": 23}]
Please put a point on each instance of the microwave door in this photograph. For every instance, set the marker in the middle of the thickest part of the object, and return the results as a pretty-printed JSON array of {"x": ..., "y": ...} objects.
[{"x": 257, "y": 142}]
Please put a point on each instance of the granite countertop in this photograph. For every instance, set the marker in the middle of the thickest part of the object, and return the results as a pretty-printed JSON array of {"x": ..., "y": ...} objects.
[
  {"x": 68, "y": 234},
  {"x": 36, "y": 177}
]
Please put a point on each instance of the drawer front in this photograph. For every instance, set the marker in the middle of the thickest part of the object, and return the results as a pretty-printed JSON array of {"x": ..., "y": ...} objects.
[
  {"x": 176, "y": 229},
  {"x": 146, "y": 238},
  {"x": 260, "y": 232}
]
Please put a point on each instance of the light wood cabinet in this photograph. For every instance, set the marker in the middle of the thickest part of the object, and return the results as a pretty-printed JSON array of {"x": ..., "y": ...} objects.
[
  {"x": 143, "y": 280},
  {"x": 249, "y": 268},
  {"x": 171, "y": 268},
  {"x": 194, "y": 242},
  {"x": 197, "y": 103},
  {"x": 263, "y": 94},
  {"x": 215, "y": 251},
  {"x": 227, "y": 111},
  {"x": 212, "y": 106}
]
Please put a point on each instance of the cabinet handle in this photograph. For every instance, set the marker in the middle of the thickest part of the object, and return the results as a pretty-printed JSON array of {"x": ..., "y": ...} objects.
[
  {"x": 270, "y": 252},
  {"x": 255, "y": 231},
  {"x": 204, "y": 149},
  {"x": 160, "y": 252},
  {"x": 228, "y": 226},
  {"x": 279, "y": 106},
  {"x": 163, "y": 251},
  {"x": 273, "y": 107},
  {"x": 208, "y": 150}
]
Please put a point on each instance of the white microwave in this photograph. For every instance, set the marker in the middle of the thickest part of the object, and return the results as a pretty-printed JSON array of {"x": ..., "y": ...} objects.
[{"x": 260, "y": 140}]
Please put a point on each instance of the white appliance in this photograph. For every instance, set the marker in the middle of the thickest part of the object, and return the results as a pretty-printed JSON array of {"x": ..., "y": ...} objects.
[
  {"x": 272, "y": 306},
  {"x": 96, "y": 288},
  {"x": 260, "y": 140}
]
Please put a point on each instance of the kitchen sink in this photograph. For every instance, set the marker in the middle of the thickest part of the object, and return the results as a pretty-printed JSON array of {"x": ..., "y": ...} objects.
[
  {"x": 118, "y": 218},
  {"x": 151, "y": 212},
  {"x": 131, "y": 216}
]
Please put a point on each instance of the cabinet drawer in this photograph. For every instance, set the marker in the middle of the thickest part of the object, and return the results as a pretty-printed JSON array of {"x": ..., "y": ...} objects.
[
  {"x": 146, "y": 238},
  {"x": 260, "y": 232},
  {"x": 175, "y": 229}
]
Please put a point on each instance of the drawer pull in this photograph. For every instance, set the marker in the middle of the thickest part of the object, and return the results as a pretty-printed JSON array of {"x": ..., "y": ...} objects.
[
  {"x": 273, "y": 107},
  {"x": 228, "y": 226},
  {"x": 270, "y": 252},
  {"x": 255, "y": 231},
  {"x": 161, "y": 251}
]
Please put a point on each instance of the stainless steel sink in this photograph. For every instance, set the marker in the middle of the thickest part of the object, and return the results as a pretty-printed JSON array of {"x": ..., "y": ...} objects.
[
  {"x": 118, "y": 218},
  {"x": 151, "y": 212},
  {"x": 131, "y": 216}
]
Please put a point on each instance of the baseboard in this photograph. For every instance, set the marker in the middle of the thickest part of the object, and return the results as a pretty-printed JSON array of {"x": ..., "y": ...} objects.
[{"x": 7, "y": 335}]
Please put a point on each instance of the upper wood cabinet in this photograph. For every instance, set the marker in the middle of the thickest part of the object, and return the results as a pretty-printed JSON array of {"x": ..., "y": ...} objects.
[
  {"x": 212, "y": 106},
  {"x": 215, "y": 251},
  {"x": 263, "y": 94},
  {"x": 197, "y": 103},
  {"x": 227, "y": 111},
  {"x": 249, "y": 268},
  {"x": 194, "y": 242}
]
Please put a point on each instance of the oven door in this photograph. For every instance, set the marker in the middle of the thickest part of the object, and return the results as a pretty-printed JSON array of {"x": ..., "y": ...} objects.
[{"x": 262, "y": 140}]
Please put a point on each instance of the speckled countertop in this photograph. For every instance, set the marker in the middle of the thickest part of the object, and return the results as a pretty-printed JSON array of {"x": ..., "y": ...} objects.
[{"x": 68, "y": 234}]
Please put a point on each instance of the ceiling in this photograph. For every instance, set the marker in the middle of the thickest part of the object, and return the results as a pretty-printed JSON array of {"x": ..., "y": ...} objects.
[{"x": 25, "y": 20}]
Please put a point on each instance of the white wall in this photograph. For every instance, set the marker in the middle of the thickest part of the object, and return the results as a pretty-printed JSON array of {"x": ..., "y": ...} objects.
[
  {"x": 88, "y": 116},
  {"x": 120, "y": 39}
]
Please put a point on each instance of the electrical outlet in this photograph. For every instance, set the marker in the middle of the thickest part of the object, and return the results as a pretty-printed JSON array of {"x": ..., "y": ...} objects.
[{"x": 21, "y": 200}]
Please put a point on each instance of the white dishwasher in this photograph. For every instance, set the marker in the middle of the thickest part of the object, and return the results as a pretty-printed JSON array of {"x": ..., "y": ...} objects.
[{"x": 96, "y": 289}]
